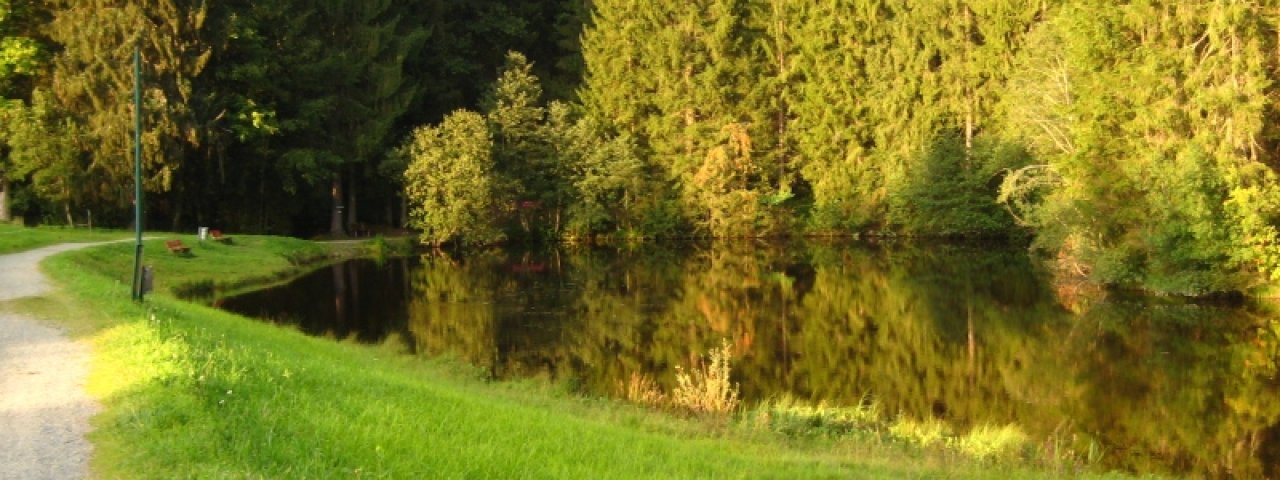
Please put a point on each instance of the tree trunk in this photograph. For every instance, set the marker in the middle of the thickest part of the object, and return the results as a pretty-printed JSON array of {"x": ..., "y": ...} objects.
[
  {"x": 969, "y": 102},
  {"x": 179, "y": 203},
  {"x": 351, "y": 205},
  {"x": 4, "y": 199},
  {"x": 66, "y": 209},
  {"x": 404, "y": 210},
  {"x": 340, "y": 294},
  {"x": 335, "y": 221}
]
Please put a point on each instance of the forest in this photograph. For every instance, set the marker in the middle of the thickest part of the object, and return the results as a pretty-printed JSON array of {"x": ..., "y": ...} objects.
[{"x": 1132, "y": 143}]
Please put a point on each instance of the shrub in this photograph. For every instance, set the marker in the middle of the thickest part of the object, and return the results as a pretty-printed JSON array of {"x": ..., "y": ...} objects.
[
  {"x": 706, "y": 387},
  {"x": 641, "y": 389}
]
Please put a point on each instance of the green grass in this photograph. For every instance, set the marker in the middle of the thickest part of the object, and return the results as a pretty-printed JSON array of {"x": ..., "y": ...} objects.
[
  {"x": 210, "y": 267},
  {"x": 191, "y": 392},
  {"x": 15, "y": 238}
]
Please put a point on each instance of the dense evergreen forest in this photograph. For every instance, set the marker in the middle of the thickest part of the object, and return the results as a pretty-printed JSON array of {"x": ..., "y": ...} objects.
[{"x": 1135, "y": 142}]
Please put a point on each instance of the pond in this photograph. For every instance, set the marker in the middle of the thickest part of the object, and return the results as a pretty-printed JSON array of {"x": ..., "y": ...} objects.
[{"x": 969, "y": 334}]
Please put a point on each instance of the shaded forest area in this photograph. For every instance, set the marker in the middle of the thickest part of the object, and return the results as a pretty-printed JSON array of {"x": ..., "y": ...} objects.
[
  {"x": 257, "y": 113},
  {"x": 1134, "y": 142}
]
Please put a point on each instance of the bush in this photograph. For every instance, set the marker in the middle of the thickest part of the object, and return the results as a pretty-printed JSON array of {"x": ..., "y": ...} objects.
[{"x": 706, "y": 387}]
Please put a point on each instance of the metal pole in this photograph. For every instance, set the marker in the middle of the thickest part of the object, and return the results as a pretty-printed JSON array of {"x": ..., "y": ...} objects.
[{"x": 137, "y": 172}]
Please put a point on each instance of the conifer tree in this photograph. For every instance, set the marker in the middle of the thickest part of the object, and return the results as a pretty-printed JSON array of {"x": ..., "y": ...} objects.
[
  {"x": 346, "y": 92},
  {"x": 521, "y": 155},
  {"x": 675, "y": 76},
  {"x": 833, "y": 136},
  {"x": 93, "y": 81}
]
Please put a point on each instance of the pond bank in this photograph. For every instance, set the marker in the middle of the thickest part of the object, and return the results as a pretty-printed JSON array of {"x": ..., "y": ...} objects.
[{"x": 194, "y": 392}]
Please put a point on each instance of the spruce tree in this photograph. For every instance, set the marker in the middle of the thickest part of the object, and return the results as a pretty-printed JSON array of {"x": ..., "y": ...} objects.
[
  {"x": 833, "y": 137},
  {"x": 675, "y": 75},
  {"x": 345, "y": 92}
]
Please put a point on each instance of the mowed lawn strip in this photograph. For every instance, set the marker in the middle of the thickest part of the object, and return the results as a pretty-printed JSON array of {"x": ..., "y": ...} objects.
[
  {"x": 15, "y": 238},
  {"x": 192, "y": 392}
]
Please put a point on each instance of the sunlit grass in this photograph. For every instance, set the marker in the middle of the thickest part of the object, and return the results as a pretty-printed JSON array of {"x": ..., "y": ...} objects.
[
  {"x": 925, "y": 433},
  {"x": 991, "y": 443},
  {"x": 211, "y": 267},
  {"x": 791, "y": 417}
]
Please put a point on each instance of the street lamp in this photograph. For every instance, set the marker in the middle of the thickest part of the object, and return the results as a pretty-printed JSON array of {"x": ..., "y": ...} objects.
[{"x": 137, "y": 173}]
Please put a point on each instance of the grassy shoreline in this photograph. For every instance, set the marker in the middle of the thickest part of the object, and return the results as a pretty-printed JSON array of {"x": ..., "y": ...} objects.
[{"x": 192, "y": 392}]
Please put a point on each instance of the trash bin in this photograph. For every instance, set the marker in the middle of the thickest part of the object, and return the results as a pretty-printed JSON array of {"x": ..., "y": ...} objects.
[
  {"x": 148, "y": 279},
  {"x": 203, "y": 233}
]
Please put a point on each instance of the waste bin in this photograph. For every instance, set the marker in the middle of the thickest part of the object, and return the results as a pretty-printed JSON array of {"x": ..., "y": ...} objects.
[
  {"x": 148, "y": 279},
  {"x": 204, "y": 233}
]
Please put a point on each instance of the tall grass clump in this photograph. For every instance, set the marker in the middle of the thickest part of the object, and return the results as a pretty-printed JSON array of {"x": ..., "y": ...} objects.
[
  {"x": 641, "y": 389},
  {"x": 923, "y": 433},
  {"x": 706, "y": 387},
  {"x": 378, "y": 248},
  {"x": 993, "y": 443},
  {"x": 792, "y": 417}
]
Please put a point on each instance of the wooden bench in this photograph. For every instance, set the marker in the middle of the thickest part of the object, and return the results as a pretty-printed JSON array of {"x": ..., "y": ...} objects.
[
  {"x": 217, "y": 236},
  {"x": 177, "y": 247}
]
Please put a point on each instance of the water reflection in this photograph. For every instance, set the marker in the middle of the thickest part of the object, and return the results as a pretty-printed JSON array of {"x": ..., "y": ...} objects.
[{"x": 967, "y": 334}]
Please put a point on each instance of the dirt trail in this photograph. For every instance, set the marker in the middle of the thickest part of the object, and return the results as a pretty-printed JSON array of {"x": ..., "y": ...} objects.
[{"x": 44, "y": 409}]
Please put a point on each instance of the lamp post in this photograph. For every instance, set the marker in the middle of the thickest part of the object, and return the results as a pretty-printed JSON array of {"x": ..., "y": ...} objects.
[{"x": 137, "y": 173}]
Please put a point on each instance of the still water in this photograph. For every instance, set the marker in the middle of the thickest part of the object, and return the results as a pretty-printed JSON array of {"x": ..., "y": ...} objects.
[{"x": 971, "y": 335}]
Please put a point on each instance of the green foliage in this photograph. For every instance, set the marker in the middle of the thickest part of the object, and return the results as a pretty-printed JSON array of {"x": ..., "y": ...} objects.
[
  {"x": 522, "y": 156},
  {"x": 609, "y": 181},
  {"x": 1135, "y": 141},
  {"x": 46, "y": 148},
  {"x": 20, "y": 54},
  {"x": 951, "y": 192},
  {"x": 679, "y": 87},
  {"x": 92, "y": 82},
  {"x": 1144, "y": 184},
  {"x": 451, "y": 181}
]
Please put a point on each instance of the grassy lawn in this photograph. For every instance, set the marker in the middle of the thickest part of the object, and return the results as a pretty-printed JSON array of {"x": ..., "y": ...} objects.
[
  {"x": 14, "y": 238},
  {"x": 192, "y": 392}
]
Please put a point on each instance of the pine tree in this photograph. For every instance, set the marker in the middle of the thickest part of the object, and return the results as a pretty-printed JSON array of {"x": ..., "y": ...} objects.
[
  {"x": 833, "y": 132},
  {"x": 675, "y": 75},
  {"x": 515, "y": 114},
  {"x": 346, "y": 93}
]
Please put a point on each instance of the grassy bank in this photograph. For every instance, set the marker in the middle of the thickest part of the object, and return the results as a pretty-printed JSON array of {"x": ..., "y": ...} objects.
[
  {"x": 191, "y": 392},
  {"x": 15, "y": 238}
]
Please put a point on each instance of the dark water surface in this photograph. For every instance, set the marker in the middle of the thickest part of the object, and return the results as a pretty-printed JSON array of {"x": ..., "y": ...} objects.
[{"x": 971, "y": 335}]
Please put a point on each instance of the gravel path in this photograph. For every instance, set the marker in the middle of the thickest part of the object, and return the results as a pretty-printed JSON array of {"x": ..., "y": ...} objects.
[{"x": 44, "y": 410}]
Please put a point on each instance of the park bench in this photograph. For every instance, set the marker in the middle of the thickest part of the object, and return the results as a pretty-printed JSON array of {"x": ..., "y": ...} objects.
[
  {"x": 177, "y": 247},
  {"x": 217, "y": 236}
]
